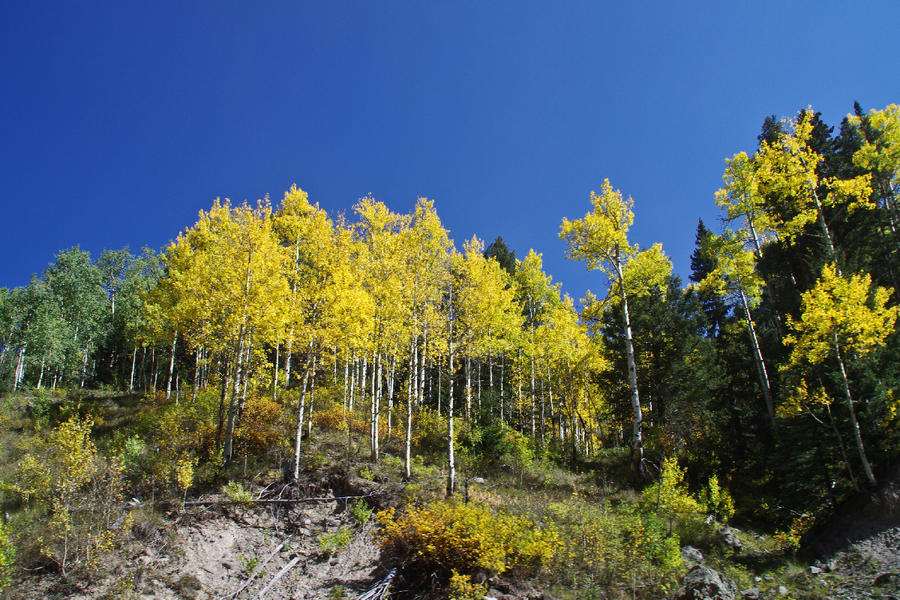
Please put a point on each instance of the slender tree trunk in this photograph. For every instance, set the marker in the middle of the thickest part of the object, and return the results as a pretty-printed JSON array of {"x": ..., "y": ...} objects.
[
  {"x": 760, "y": 364},
  {"x": 133, "y": 361},
  {"x": 275, "y": 375},
  {"x": 468, "y": 389},
  {"x": 300, "y": 415},
  {"x": 373, "y": 433},
  {"x": 83, "y": 366},
  {"x": 197, "y": 371},
  {"x": 362, "y": 382},
  {"x": 637, "y": 440},
  {"x": 843, "y": 448},
  {"x": 346, "y": 380},
  {"x": 451, "y": 459},
  {"x": 20, "y": 368},
  {"x": 480, "y": 360},
  {"x": 245, "y": 377},
  {"x": 531, "y": 389},
  {"x": 376, "y": 401},
  {"x": 491, "y": 377},
  {"x": 312, "y": 398},
  {"x": 353, "y": 375},
  {"x": 421, "y": 388},
  {"x": 155, "y": 367},
  {"x": 224, "y": 394},
  {"x": 41, "y": 377},
  {"x": 287, "y": 359},
  {"x": 867, "y": 468},
  {"x": 391, "y": 394},
  {"x": 171, "y": 366},
  {"x": 410, "y": 392},
  {"x": 502, "y": 362},
  {"x": 233, "y": 401}
]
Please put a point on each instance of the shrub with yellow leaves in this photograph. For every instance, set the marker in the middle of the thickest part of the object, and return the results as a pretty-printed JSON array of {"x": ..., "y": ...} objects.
[
  {"x": 74, "y": 490},
  {"x": 466, "y": 538}
]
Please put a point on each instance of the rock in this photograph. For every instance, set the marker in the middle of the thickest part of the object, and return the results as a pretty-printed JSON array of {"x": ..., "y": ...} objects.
[
  {"x": 703, "y": 583},
  {"x": 750, "y": 594},
  {"x": 729, "y": 537},
  {"x": 887, "y": 578},
  {"x": 477, "y": 480},
  {"x": 814, "y": 570},
  {"x": 691, "y": 555},
  {"x": 782, "y": 590}
]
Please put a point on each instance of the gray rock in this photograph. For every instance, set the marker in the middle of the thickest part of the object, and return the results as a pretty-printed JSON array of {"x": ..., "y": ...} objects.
[
  {"x": 691, "y": 555},
  {"x": 814, "y": 570},
  {"x": 750, "y": 594},
  {"x": 729, "y": 537},
  {"x": 703, "y": 583},
  {"x": 782, "y": 590}
]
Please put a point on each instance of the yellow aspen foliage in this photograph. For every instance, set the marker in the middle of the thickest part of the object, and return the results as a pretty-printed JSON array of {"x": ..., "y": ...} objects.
[
  {"x": 840, "y": 315},
  {"x": 843, "y": 310},
  {"x": 450, "y": 536},
  {"x": 670, "y": 495},
  {"x": 7, "y": 557},
  {"x": 600, "y": 239},
  {"x": 787, "y": 170},
  {"x": 77, "y": 489},
  {"x": 742, "y": 200},
  {"x": 880, "y": 152}
]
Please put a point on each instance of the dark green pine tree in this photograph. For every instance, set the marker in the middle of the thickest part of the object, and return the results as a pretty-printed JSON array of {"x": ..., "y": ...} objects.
[
  {"x": 499, "y": 251},
  {"x": 702, "y": 264}
]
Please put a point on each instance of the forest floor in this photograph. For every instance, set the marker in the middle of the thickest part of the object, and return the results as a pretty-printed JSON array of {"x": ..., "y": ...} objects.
[
  {"x": 215, "y": 549},
  {"x": 308, "y": 540},
  {"x": 218, "y": 549}
]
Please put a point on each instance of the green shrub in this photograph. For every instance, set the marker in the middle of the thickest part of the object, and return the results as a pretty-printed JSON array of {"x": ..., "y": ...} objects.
[
  {"x": 237, "y": 493},
  {"x": 670, "y": 498},
  {"x": 717, "y": 500},
  {"x": 71, "y": 491},
  {"x": 360, "y": 511},
  {"x": 335, "y": 541},
  {"x": 7, "y": 557},
  {"x": 430, "y": 433},
  {"x": 605, "y": 546}
]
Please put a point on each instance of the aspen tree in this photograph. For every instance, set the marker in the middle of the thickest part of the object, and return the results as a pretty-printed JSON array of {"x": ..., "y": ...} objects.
[
  {"x": 735, "y": 276},
  {"x": 600, "y": 239},
  {"x": 840, "y": 316},
  {"x": 880, "y": 155},
  {"x": 788, "y": 170}
]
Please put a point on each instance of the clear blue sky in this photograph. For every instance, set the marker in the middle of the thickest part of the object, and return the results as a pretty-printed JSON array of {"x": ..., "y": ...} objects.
[{"x": 121, "y": 120}]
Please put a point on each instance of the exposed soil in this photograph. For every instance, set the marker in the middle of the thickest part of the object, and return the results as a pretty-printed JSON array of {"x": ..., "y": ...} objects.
[
  {"x": 212, "y": 550},
  {"x": 860, "y": 544}
]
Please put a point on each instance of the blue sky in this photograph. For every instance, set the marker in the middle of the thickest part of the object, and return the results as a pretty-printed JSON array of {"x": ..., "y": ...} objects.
[{"x": 120, "y": 121}]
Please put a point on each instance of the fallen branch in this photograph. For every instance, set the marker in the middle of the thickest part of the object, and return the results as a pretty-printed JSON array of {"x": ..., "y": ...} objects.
[
  {"x": 278, "y": 576},
  {"x": 273, "y": 500},
  {"x": 258, "y": 568},
  {"x": 381, "y": 589}
]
